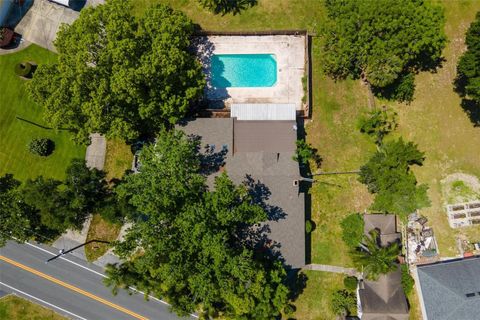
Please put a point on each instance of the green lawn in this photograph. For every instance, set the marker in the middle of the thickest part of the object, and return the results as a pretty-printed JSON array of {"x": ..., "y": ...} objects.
[
  {"x": 15, "y": 308},
  {"x": 16, "y": 134},
  {"x": 314, "y": 302}
]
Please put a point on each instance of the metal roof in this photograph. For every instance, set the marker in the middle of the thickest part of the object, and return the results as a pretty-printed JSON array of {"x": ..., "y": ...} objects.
[{"x": 263, "y": 111}]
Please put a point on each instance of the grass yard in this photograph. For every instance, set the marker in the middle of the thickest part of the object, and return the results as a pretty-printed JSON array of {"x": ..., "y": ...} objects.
[
  {"x": 314, "y": 302},
  {"x": 118, "y": 159},
  {"x": 16, "y": 134},
  {"x": 100, "y": 229},
  {"x": 15, "y": 308},
  {"x": 436, "y": 121}
]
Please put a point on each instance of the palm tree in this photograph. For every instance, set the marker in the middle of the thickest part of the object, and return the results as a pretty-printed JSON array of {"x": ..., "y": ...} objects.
[{"x": 375, "y": 259}]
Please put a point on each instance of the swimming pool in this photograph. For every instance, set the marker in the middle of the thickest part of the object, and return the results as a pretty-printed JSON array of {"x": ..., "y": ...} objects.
[{"x": 243, "y": 70}]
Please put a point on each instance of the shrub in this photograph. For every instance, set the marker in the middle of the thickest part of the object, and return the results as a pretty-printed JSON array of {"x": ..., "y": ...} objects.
[
  {"x": 343, "y": 302},
  {"x": 377, "y": 124},
  {"x": 350, "y": 283},
  {"x": 23, "y": 69},
  {"x": 309, "y": 226},
  {"x": 352, "y": 229},
  {"x": 407, "y": 280},
  {"x": 41, "y": 146},
  {"x": 306, "y": 152}
]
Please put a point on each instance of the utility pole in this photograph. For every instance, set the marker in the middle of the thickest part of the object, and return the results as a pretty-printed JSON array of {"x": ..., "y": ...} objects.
[{"x": 64, "y": 252}]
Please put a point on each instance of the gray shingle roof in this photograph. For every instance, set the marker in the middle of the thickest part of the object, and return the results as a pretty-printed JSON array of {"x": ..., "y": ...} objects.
[
  {"x": 384, "y": 298},
  {"x": 385, "y": 223},
  {"x": 445, "y": 286},
  {"x": 273, "y": 169}
]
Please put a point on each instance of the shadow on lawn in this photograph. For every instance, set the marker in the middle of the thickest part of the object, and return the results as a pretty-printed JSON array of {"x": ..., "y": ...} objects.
[{"x": 39, "y": 125}]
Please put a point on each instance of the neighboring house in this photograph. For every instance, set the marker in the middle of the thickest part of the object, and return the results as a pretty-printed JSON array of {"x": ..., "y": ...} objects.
[
  {"x": 386, "y": 224},
  {"x": 450, "y": 290},
  {"x": 259, "y": 153},
  {"x": 383, "y": 299}
]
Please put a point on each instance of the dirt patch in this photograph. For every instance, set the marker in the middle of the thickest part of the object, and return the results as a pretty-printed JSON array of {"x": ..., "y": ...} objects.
[{"x": 460, "y": 187}]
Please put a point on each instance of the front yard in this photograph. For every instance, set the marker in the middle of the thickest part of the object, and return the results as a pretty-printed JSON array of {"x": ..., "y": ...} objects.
[{"x": 21, "y": 120}]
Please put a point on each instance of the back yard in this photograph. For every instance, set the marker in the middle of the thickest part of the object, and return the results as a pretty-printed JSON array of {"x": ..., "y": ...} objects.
[{"x": 21, "y": 120}]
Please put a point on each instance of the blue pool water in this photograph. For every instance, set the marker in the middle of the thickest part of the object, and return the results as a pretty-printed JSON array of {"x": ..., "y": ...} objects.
[{"x": 243, "y": 70}]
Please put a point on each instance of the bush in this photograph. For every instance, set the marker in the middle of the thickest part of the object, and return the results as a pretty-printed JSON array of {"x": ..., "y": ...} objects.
[
  {"x": 352, "y": 229},
  {"x": 306, "y": 152},
  {"x": 23, "y": 69},
  {"x": 407, "y": 280},
  {"x": 309, "y": 226},
  {"x": 402, "y": 89},
  {"x": 350, "y": 283},
  {"x": 377, "y": 124},
  {"x": 41, "y": 146},
  {"x": 343, "y": 302}
]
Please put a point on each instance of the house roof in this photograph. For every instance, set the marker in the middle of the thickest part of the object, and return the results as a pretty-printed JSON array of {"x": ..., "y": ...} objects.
[
  {"x": 386, "y": 224},
  {"x": 264, "y": 111},
  {"x": 271, "y": 171},
  {"x": 445, "y": 286},
  {"x": 384, "y": 298},
  {"x": 264, "y": 136}
]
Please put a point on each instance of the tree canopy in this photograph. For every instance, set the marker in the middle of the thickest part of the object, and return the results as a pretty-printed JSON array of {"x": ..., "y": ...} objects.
[
  {"x": 374, "y": 259},
  {"x": 382, "y": 41},
  {"x": 468, "y": 68},
  {"x": 387, "y": 175},
  {"x": 193, "y": 246},
  {"x": 63, "y": 205},
  {"x": 118, "y": 74},
  {"x": 18, "y": 220},
  {"x": 227, "y": 6},
  {"x": 352, "y": 229}
]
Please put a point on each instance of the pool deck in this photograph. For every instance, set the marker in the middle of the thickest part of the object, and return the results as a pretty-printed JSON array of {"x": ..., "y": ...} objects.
[{"x": 289, "y": 51}]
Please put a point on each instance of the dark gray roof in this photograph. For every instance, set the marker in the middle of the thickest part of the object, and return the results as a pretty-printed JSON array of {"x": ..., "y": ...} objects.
[
  {"x": 274, "y": 169},
  {"x": 264, "y": 136},
  {"x": 445, "y": 285},
  {"x": 385, "y": 223},
  {"x": 384, "y": 298}
]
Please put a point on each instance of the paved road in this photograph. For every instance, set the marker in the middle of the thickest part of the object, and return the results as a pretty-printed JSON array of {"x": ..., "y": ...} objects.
[{"x": 71, "y": 286}]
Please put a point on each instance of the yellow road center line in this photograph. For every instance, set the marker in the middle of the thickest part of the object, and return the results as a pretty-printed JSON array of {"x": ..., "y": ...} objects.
[{"x": 73, "y": 288}]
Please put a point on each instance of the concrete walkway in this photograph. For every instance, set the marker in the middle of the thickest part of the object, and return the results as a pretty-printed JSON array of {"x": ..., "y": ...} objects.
[
  {"x": 96, "y": 150},
  {"x": 333, "y": 269}
]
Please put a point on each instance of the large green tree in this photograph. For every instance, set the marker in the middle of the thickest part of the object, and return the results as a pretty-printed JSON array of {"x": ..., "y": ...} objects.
[
  {"x": 468, "y": 68},
  {"x": 387, "y": 175},
  {"x": 63, "y": 205},
  {"x": 373, "y": 259},
  {"x": 382, "y": 41},
  {"x": 17, "y": 219},
  {"x": 119, "y": 74},
  {"x": 193, "y": 246}
]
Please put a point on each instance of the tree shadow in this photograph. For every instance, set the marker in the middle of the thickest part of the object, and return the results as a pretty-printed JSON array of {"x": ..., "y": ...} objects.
[
  {"x": 260, "y": 194},
  {"x": 216, "y": 89},
  {"x": 232, "y": 6},
  {"x": 472, "y": 109}
]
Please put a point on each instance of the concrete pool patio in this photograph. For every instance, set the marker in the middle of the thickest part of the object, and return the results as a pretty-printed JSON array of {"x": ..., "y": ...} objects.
[{"x": 289, "y": 52}]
